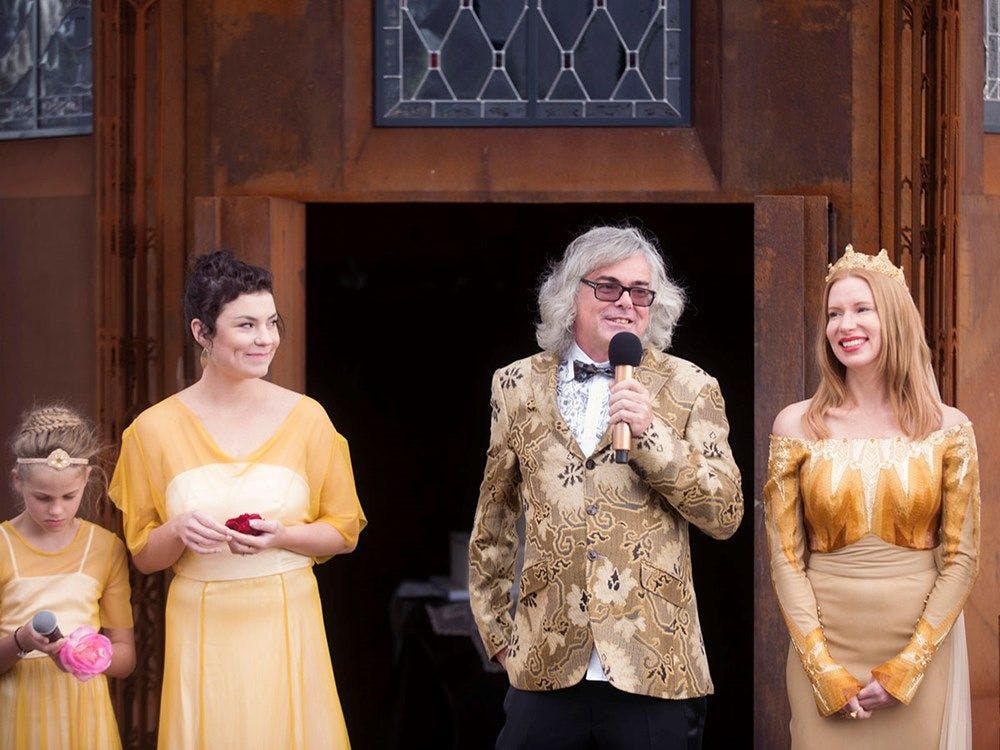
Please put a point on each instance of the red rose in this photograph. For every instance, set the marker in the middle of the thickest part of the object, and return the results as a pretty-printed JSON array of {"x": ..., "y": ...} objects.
[{"x": 242, "y": 524}]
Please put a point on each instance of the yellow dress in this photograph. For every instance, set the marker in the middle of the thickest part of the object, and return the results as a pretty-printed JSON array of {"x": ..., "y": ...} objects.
[
  {"x": 85, "y": 583},
  {"x": 892, "y": 529},
  {"x": 247, "y": 663}
]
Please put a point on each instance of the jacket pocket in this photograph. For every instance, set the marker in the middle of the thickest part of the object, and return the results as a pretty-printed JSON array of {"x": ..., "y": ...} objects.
[
  {"x": 663, "y": 584},
  {"x": 533, "y": 578}
]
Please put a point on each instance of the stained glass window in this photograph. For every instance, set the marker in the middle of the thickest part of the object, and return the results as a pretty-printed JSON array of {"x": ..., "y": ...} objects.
[
  {"x": 533, "y": 62},
  {"x": 991, "y": 40},
  {"x": 46, "y": 76}
]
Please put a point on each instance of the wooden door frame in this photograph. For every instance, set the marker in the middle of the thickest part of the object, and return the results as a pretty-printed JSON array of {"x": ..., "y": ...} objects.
[{"x": 791, "y": 249}]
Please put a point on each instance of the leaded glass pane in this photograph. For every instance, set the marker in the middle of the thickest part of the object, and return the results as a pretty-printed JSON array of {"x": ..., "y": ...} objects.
[
  {"x": 991, "y": 89},
  {"x": 17, "y": 66},
  {"x": 633, "y": 18},
  {"x": 531, "y": 62},
  {"x": 467, "y": 57},
  {"x": 46, "y": 76}
]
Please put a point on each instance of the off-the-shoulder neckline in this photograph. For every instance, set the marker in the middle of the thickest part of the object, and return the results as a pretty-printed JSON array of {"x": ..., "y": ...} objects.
[{"x": 890, "y": 438}]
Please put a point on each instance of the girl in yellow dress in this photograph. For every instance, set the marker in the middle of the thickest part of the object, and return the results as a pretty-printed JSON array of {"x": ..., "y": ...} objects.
[
  {"x": 872, "y": 519},
  {"x": 247, "y": 663},
  {"x": 52, "y": 560}
]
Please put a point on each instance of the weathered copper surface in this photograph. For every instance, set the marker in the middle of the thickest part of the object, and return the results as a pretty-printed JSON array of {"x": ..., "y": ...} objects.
[
  {"x": 790, "y": 236},
  {"x": 46, "y": 256},
  {"x": 138, "y": 126}
]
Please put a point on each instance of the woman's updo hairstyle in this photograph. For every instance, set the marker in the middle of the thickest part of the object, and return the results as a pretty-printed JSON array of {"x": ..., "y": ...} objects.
[
  {"x": 215, "y": 280},
  {"x": 45, "y": 428}
]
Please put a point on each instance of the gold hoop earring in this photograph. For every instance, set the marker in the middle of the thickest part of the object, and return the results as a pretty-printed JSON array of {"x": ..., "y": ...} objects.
[{"x": 204, "y": 357}]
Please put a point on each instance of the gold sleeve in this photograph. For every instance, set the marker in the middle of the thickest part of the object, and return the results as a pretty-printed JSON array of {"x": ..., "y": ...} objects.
[
  {"x": 336, "y": 500},
  {"x": 832, "y": 684},
  {"x": 137, "y": 490},
  {"x": 696, "y": 474},
  {"x": 116, "y": 596},
  {"x": 493, "y": 542},
  {"x": 958, "y": 563}
]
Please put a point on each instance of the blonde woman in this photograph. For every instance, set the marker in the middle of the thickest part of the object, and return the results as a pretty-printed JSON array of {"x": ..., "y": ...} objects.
[{"x": 872, "y": 517}]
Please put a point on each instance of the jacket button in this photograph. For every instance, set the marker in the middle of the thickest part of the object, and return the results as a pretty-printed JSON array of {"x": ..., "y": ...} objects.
[
  {"x": 592, "y": 510},
  {"x": 591, "y": 555},
  {"x": 590, "y": 463}
]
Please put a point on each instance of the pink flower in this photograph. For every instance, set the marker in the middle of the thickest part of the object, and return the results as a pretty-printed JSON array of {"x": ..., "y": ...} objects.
[{"x": 86, "y": 653}]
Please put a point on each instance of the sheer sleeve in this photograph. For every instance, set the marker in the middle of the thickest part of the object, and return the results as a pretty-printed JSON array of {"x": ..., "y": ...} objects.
[
  {"x": 958, "y": 559},
  {"x": 136, "y": 491},
  {"x": 832, "y": 684},
  {"x": 116, "y": 598},
  {"x": 335, "y": 496}
]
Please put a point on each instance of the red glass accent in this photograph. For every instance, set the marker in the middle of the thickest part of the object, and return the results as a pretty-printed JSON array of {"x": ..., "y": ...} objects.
[{"x": 434, "y": 60}]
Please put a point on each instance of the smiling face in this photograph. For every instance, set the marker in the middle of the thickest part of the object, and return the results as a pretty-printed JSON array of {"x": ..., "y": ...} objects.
[
  {"x": 246, "y": 337},
  {"x": 598, "y": 321},
  {"x": 853, "y": 327},
  {"x": 51, "y": 497}
]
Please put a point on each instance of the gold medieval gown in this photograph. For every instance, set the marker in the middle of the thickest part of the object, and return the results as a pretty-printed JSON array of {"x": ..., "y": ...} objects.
[
  {"x": 247, "y": 663},
  {"x": 892, "y": 529}
]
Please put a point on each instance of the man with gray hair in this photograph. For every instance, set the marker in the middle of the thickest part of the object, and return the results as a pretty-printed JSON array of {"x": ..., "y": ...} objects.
[{"x": 604, "y": 648}]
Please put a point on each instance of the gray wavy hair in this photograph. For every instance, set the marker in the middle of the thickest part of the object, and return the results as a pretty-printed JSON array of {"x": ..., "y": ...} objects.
[{"x": 603, "y": 246}]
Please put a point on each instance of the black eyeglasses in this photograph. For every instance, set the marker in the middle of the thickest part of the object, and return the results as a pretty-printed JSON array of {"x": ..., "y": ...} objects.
[{"x": 612, "y": 291}]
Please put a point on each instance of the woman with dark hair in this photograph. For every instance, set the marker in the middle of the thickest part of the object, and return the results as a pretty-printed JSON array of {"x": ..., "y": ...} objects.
[
  {"x": 239, "y": 486},
  {"x": 879, "y": 481}
]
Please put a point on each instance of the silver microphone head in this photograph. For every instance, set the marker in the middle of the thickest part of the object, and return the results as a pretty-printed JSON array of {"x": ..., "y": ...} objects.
[{"x": 44, "y": 623}]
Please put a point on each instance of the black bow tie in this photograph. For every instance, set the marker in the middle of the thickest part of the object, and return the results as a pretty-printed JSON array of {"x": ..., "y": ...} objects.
[{"x": 585, "y": 371}]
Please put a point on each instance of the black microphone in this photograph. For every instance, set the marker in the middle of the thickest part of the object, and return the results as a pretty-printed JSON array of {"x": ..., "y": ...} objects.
[
  {"x": 44, "y": 623},
  {"x": 624, "y": 353}
]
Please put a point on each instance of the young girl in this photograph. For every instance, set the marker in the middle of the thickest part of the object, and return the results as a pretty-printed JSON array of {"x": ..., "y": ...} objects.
[{"x": 52, "y": 560}]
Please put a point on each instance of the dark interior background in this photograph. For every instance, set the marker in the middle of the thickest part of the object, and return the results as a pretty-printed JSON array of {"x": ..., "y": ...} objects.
[{"x": 411, "y": 307}]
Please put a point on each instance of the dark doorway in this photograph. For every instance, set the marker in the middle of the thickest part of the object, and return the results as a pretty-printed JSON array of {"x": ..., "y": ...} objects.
[{"x": 411, "y": 307}]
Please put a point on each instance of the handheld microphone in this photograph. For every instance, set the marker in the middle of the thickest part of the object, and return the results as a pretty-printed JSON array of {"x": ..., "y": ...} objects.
[
  {"x": 624, "y": 353},
  {"x": 44, "y": 623}
]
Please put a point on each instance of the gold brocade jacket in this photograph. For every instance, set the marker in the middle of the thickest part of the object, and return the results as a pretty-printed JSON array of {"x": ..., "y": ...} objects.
[
  {"x": 828, "y": 494},
  {"x": 606, "y": 554}
]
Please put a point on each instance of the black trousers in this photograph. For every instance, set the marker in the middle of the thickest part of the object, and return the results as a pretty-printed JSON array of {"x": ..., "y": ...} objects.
[{"x": 595, "y": 715}]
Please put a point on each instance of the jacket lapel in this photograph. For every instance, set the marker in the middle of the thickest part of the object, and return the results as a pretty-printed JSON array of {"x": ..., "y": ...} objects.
[{"x": 543, "y": 385}]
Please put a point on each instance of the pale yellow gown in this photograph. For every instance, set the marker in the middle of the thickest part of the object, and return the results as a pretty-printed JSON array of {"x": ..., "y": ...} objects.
[
  {"x": 247, "y": 663},
  {"x": 892, "y": 529},
  {"x": 85, "y": 583}
]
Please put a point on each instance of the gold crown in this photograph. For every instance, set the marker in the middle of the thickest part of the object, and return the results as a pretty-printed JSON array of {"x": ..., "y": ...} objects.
[{"x": 878, "y": 263}]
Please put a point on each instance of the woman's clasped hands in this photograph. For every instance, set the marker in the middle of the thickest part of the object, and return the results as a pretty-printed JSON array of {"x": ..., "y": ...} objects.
[
  {"x": 203, "y": 534},
  {"x": 269, "y": 535},
  {"x": 871, "y": 698}
]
